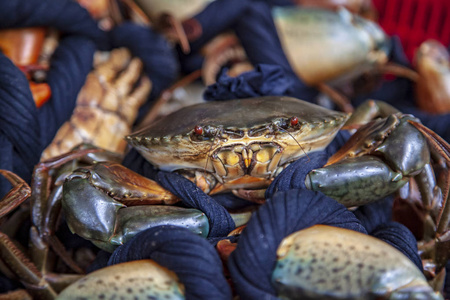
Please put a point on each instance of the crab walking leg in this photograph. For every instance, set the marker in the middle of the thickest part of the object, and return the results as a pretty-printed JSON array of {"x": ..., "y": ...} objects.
[
  {"x": 440, "y": 145},
  {"x": 9, "y": 252},
  {"x": 442, "y": 241},
  {"x": 16, "y": 196},
  {"x": 24, "y": 269},
  {"x": 44, "y": 211}
]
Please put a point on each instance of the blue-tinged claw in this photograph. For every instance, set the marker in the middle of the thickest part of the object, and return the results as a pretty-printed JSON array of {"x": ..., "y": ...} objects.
[
  {"x": 141, "y": 279},
  {"x": 324, "y": 262}
]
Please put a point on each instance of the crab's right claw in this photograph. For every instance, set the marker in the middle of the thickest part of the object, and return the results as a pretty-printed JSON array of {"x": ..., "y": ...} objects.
[{"x": 108, "y": 204}]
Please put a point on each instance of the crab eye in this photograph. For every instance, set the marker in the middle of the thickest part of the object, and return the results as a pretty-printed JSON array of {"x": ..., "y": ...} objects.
[
  {"x": 198, "y": 130},
  {"x": 294, "y": 121}
]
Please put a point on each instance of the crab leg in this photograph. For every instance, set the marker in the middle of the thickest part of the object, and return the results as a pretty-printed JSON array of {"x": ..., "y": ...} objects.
[
  {"x": 443, "y": 148},
  {"x": 368, "y": 111},
  {"x": 340, "y": 100},
  {"x": 41, "y": 217},
  {"x": 399, "y": 70},
  {"x": 16, "y": 196},
  {"x": 9, "y": 252},
  {"x": 442, "y": 242}
]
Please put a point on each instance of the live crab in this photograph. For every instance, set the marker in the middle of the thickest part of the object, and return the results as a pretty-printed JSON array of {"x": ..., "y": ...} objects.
[
  {"x": 224, "y": 146},
  {"x": 226, "y": 150}
]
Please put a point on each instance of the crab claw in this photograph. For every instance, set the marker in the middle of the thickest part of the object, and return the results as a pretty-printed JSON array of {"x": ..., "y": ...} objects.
[
  {"x": 150, "y": 281},
  {"x": 108, "y": 204},
  {"x": 315, "y": 262}
]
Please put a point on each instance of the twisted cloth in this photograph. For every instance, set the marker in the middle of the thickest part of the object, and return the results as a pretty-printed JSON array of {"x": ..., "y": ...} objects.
[
  {"x": 252, "y": 262},
  {"x": 191, "y": 257}
]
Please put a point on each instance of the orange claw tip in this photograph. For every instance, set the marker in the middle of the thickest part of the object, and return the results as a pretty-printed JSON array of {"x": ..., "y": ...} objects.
[{"x": 41, "y": 93}]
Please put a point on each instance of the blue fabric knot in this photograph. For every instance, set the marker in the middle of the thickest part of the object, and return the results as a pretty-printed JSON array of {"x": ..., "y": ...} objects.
[
  {"x": 192, "y": 258},
  {"x": 220, "y": 221},
  {"x": 400, "y": 237},
  {"x": 265, "y": 80},
  {"x": 286, "y": 212},
  {"x": 252, "y": 22},
  {"x": 293, "y": 176}
]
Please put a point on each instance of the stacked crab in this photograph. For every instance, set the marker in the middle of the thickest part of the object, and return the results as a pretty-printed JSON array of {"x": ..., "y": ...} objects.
[{"x": 255, "y": 194}]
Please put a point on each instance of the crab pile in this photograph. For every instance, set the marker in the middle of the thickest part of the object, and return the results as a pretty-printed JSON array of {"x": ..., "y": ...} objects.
[{"x": 259, "y": 151}]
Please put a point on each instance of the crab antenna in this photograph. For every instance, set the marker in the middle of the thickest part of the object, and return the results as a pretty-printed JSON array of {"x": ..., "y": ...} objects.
[
  {"x": 210, "y": 149},
  {"x": 281, "y": 129}
]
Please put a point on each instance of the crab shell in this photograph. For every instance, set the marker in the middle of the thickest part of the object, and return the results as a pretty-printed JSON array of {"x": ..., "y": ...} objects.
[{"x": 253, "y": 137}]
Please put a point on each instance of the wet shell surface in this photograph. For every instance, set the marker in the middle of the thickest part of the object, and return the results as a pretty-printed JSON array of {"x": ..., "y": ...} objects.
[
  {"x": 324, "y": 262},
  {"x": 142, "y": 279}
]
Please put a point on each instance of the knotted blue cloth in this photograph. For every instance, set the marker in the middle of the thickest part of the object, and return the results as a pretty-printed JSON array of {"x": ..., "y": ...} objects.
[
  {"x": 286, "y": 212},
  {"x": 191, "y": 257}
]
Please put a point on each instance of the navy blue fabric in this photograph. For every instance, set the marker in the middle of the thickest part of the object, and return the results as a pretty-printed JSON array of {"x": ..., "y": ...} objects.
[
  {"x": 374, "y": 214},
  {"x": 401, "y": 238},
  {"x": 265, "y": 80},
  {"x": 134, "y": 161},
  {"x": 191, "y": 257},
  {"x": 376, "y": 218},
  {"x": 220, "y": 221},
  {"x": 65, "y": 15},
  {"x": 252, "y": 262},
  {"x": 252, "y": 22},
  {"x": 25, "y": 131},
  {"x": 293, "y": 176},
  {"x": 230, "y": 201},
  {"x": 158, "y": 56}
]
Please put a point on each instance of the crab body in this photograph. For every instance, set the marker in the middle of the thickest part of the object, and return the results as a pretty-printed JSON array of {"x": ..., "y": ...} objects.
[
  {"x": 241, "y": 146},
  {"x": 251, "y": 138}
]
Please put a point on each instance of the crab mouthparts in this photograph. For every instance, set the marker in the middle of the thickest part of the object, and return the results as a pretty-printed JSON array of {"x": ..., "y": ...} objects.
[{"x": 257, "y": 159}]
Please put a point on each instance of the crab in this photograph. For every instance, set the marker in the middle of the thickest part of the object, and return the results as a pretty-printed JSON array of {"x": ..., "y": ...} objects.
[
  {"x": 41, "y": 283},
  {"x": 231, "y": 146},
  {"x": 30, "y": 50},
  {"x": 361, "y": 51},
  {"x": 106, "y": 106},
  {"x": 432, "y": 63}
]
